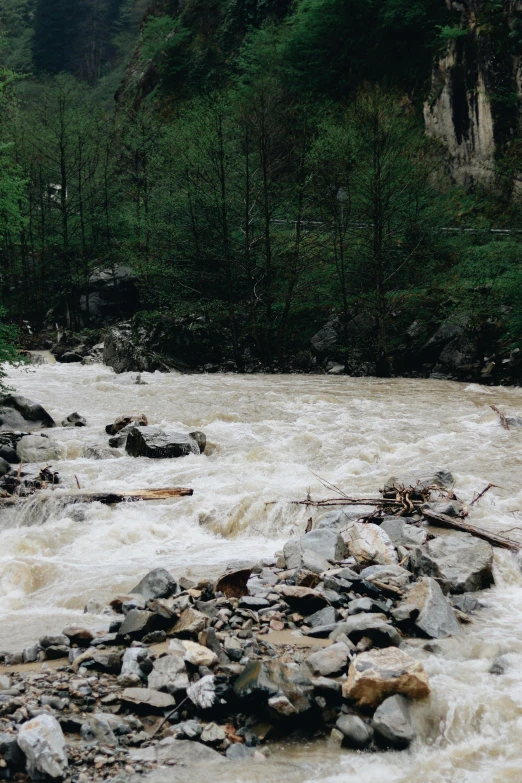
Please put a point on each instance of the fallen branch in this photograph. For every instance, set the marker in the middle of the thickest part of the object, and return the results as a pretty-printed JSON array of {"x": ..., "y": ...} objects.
[
  {"x": 458, "y": 524},
  {"x": 108, "y": 498},
  {"x": 503, "y": 419},
  {"x": 481, "y": 494}
]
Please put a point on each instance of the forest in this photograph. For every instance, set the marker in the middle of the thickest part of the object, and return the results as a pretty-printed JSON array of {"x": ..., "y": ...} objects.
[{"x": 260, "y": 165}]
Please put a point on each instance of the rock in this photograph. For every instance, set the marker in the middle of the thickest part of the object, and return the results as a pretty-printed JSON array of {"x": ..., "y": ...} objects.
[
  {"x": 326, "y": 543},
  {"x": 169, "y": 674},
  {"x": 392, "y": 722},
  {"x": 356, "y": 733},
  {"x": 297, "y": 557},
  {"x": 8, "y": 453},
  {"x": 74, "y": 420},
  {"x": 368, "y": 543},
  {"x": 376, "y": 674},
  {"x": 366, "y": 605},
  {"x": 253, "y": 602},
  {"x": 154, "y": 443},
  {"x": 42, "y": 741},
  {"x": 37, "y": 448},
  {"x": 10, "y": 752},
  {"x": 325, "y": 616},
  {"x": 97, "y": 729},
  {"x": 190, "y": 729},
  {"x": 212, "y": 734},
  {"x": 148, "y": 698},
  {"x": 439, "y": 478},
  {"x": 126, "y": 350},
  {"x": 303, "y": 599},
  {"x": 330, "y": 661},
  {"x": 337, "y": 369},
  {"x": 514, "y": 421},
  {"x": 5, "y": 467},
  {"x": 191, "y": 623},
  {"x": 127, "y": 422},
  {"x": 157, "y": 584},
  {"x": 57, "y": 651},
  {"x": 201, "y": 440},
  {"x": 5, "y": 682},
  {"x": 54, "y": 641},
  {"x": 203, "y": 692},
  {"x": 177, "y": 753},
  {"x": 401, "y": 533},
  {"x": 372, "y": 626},
  {"x": 137, "y": 623},
  {"x": 500, "y": 665},
  {"x": 238, "y": 752},
  {"x": 69, "y": 357},
  {"x": 269, "y": 679},
  {"x": 198, "y": 655},
  {"x": 233, "y": 584},
  {"x": 432, "y": 614},
  {"x": 136, "y": 661},
  {"x": 99, "y": 452},
  {"x": 394, "y": 575},
  {"x": 459, "y": 562},
  {"x": 78, "y": 635},
  {"x": 28, "y": 410},
  {"x": 467, "y": 602},
  {"x": 342, "y": 518}
]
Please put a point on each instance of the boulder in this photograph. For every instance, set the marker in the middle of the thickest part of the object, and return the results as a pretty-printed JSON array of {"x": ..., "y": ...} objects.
[
  {"x": 10, "y": 752},
  {"x": 368, "y": 543},
  {"x": 137, "y": 623},
  {"x": 432, "y": 612},
  {"x": 97, "y": 729},
  {"x": 342, "y": 518},
  {"x": 326, "y": 543},
  {"x": 303, "y": 599},
  {"x": 401, "y": 533},
  {"x": 5, "y": 467},
  {"x": 394, "y": 575},
  {"x": 74, "y": 420},
  {"x": 154, "y": 443},
  {"x": 297, "y": 557},
  {"x": 78, "y": 635},
  {"x": 127, "y": 421},
  {"x": 198, "y": 655},
  {"x": 42, "y": 741},
  {"x": 325, "y": 616},
  {"x": 54, "y": 641},
  {"x": 169, "y": 674},
  {"x": 459, "y": 562},
  {"x": 392, "y": 722},
  {"x": 373, "y": 626},
  {"x": 268, "y": 681},
  {"x": 70, "y": 357},
  {"x": 377, "y": 674},
  {"x": 330, "y": 661},
  {"x": 356, "y": 733},
  {"x": 136, "y": 661},
  {"x": 31, "y": 415},
  {"x": 190, "y": 623},
  {"x": 38, "y": 448},
  {"x": 156, "y": 584},
  {"x": 203, "y": 692}
]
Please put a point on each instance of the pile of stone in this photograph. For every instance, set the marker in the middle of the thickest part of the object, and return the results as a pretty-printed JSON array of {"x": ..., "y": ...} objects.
[{"x": 322, "y": 640}]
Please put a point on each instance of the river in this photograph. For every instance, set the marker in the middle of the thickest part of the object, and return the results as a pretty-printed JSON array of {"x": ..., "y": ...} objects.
[{"x": 270, "y": 437}]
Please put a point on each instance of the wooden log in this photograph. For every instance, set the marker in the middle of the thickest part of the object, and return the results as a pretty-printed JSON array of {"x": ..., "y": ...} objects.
[
  {"x": 107, "y": 497},
  {"x": 459, "y": 524}
]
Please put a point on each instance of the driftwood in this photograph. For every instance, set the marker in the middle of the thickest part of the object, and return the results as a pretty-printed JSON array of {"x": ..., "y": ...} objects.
[
  {"x": 502, "y": 416},
  {"x": 109, "y": 497},
  {"x": 459, "y": 524}
]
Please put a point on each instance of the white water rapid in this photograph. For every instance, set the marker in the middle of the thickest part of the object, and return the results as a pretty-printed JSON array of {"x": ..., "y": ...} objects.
[{"x": 269, "y": 435}]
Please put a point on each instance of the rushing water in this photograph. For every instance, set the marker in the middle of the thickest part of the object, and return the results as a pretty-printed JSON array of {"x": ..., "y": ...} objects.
[{"x": 270, "y": 436}]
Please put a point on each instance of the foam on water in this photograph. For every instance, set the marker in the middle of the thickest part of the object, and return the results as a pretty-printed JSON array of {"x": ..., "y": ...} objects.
[{"x": 269, "y": 436}]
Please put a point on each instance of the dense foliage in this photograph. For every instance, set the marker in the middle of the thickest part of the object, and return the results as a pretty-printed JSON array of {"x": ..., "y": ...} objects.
[{"x": 264, "y": 169}]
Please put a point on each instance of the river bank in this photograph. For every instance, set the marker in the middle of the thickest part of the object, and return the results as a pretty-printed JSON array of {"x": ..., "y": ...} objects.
[{"x": 269, "y": 434}]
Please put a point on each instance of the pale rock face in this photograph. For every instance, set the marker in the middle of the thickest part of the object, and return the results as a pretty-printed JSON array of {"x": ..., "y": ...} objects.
[
  {"x": 377, "y": 674},
  {"x": 459, "y": 115},
  {"x": 169, "y": 673},
  {"x": 198, "y": 655},
  {"x": 368, "y": 543}
]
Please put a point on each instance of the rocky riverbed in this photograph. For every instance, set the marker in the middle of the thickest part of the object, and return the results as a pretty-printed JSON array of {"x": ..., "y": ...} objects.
[
  {"x": 262, "y": 444},
  {"x": 319, "y": 642}
]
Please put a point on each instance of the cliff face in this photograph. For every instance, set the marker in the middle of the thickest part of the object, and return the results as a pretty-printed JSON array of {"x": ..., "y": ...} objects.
[{"x": 473, "y": 106}]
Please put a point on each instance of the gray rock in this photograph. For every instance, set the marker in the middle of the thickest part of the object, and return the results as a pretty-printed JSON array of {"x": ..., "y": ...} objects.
[
  {"x": 434, "y": 615},
  {"x": 70, "y": 357},
  {"x": 326, "y": 543},
  {"x": 136, "y": 660},
  {"x": 212, "y": 734},
  {"x": 190, "y": 729},
  {"x": 329, "y": 661},
  {"x": 30, "y": 654},
  {"x": 392, "y": 722},
  {"x": 155, "y": 443},
  {"x": 42, "y": 741},
  {"x": 459, "y": 562},
  {"x": 356, "y": 733},
  {"x": 54, "y": 641},
  {"x": 74, "y": 420},
  {"x": 169, "y": 674},
  {"x": 342, "y": 518},
  {"x": 203, "y": 692},
  {"x": 5, "y": 467},
  {"x": 403, "y": 534},
  {"x": 467, "y": 603},
  {"x": 365, "y": 604},
  {"x": 137, "y": 623},
  {"x": 296, "y": 557},
  {"x": 156, "y": 584},
  {"x": 500, "y": 665},
  {"x": 201, "y": 440},
  {"x": 514, "y": 421},
  {"x": 5, "y": 682},
  {"x": 148, "y": 698},
  {"x": 28, "y": 410},
  {"x": 78, "y": 635},
  {"x": 97, "y": 729},
  {"x": 325, "y": 616},
  {"x": 374, "y": 626},
  {"x": 183, "y": 753},
  {"x": 10, "y": 752},
  {"x": 271, "y": 680}
]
